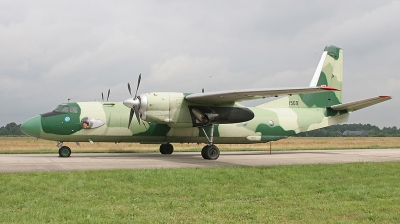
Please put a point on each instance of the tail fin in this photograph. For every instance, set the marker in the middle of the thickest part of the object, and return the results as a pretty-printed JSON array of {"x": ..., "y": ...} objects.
[{"x": 329, "y": 72}]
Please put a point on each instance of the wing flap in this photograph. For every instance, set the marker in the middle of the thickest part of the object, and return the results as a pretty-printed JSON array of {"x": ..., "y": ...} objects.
[
  {"x": 360, "y": 104},
  {"x": 231, "y": 96}
]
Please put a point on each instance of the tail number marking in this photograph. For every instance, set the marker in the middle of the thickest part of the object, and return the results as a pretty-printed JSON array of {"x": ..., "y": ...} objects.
[{"x": 293, "y": 103}]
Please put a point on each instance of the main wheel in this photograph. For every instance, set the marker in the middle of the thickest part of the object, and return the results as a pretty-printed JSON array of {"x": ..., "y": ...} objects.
[
  {"x": 210, "y": 152},
  {"x": 166, "y": 148},
  {"x": 64, "y": 151}
]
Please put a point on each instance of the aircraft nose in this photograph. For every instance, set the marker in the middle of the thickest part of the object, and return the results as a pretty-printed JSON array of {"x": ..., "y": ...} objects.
[{"x": 32, "y": 126}]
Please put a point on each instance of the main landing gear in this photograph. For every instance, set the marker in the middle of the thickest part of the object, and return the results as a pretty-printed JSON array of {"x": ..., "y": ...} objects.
[
  {"x": 166, "y": 148},
  {"x": 63, "y": 151},
  {"x": 210, "y": 151}
]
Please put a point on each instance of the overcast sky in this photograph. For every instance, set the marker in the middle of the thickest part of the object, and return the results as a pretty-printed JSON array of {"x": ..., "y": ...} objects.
[{"x": 55, "y": 50}]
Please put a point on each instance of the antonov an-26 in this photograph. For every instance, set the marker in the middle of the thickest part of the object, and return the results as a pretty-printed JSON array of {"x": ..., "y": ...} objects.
[{"x": 212, "y": 117}]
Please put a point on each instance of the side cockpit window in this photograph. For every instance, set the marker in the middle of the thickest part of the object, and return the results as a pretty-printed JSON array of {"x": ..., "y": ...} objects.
[{"x": 73, "y": 109}]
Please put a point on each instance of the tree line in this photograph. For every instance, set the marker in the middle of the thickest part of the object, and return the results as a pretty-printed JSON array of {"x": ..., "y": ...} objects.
[
  {"x": 339, "y": 129},
  {"x": 13, "y": 129}
]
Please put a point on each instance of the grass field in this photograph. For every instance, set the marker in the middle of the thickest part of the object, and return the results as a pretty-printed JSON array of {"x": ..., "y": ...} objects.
[
  {"x": 32, "y": 145},
  {"x": 339, "y": 193}
]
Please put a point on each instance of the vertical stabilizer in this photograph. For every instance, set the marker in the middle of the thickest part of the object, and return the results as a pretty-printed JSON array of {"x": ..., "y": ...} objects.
[{"x": 329, "y": 72}]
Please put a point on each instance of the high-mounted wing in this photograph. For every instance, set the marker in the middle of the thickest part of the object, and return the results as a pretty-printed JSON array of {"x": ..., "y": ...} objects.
[
  {"x": 360, "y": 104},
  {"x": 231, "y": 96}
]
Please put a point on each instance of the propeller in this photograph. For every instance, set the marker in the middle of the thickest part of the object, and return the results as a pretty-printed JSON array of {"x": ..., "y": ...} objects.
[
  {"x": 108, "y": 95},
  {"x": 133, "y": 103}
]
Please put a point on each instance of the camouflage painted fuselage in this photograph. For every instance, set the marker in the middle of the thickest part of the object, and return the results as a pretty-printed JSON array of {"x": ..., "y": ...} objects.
[{"x": 268, "y": 124}]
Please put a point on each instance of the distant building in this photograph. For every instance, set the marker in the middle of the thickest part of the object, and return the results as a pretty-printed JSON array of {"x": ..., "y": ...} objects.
[{"x": 356, "y": 133}]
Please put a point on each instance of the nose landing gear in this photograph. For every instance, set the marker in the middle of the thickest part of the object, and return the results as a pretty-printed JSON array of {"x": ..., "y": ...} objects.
[{"x": 63, "y": 151}]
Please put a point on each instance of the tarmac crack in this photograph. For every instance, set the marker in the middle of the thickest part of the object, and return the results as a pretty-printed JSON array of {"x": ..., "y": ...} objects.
[{"x": 57, "y": 164}]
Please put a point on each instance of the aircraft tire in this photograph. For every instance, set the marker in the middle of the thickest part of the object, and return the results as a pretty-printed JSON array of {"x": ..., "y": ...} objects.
[
  {"x": 64, "y": 151},
  {"x": 166, "y": 148},
  {"x": 210, "y": 152}
]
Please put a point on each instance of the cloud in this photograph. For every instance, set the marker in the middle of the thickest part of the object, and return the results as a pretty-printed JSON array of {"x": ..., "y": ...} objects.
[
  {"x": 288, "y": 78},
  {"x": 52, "y": 51},
  {"x": 187, "y": 70}
]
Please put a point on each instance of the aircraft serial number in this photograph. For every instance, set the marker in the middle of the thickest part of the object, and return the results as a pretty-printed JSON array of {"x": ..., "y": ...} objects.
[{"x": 291, "y": 103}]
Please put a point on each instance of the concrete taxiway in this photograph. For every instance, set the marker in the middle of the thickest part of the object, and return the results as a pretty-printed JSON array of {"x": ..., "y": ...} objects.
[{"x": 100, "y": 161}]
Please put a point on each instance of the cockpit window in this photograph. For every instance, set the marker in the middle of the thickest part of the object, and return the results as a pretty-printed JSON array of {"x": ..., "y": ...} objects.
[
  {"x": 73, "y": 109},
  {"x": 65, "y": 109},
  {"x": 58, "y": 108}
]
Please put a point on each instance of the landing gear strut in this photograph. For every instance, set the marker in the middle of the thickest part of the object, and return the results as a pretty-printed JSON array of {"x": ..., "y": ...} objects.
[
  {"x": 166, "y": 148},
  {"x": 210, "y": 151}
]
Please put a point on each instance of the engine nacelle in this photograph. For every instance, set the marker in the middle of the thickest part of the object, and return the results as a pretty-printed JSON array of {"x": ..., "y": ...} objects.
[
  {"x": 156, "y": 107},
  {"x": 206, "y": 115}
]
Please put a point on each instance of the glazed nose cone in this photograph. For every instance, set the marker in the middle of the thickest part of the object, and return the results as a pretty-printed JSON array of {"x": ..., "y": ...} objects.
[{"x": 32, "y": 126}]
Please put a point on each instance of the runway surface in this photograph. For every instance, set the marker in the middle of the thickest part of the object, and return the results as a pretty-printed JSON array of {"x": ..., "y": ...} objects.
[{"x": 97, "y": 161}]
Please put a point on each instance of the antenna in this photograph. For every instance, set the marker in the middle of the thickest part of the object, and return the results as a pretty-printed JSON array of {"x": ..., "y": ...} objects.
[{"x": 69, "y": 99}]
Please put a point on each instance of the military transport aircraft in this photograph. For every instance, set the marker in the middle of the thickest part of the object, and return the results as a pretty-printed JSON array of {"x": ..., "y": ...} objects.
[{"x": 213, "y": 117}]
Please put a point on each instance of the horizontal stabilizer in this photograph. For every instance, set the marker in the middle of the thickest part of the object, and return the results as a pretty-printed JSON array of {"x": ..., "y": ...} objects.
[
  {"x": 252, "y": 94},
  {"x": 360, "y": 104}
]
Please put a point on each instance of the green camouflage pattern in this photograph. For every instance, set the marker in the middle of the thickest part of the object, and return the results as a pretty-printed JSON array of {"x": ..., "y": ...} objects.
[{"x": 168, "y": 118}]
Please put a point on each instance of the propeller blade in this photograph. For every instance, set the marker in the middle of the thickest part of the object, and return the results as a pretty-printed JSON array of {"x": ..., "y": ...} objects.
[
  {"x": 133, "y": 105},
  {"x": 129, "y": 88},
  {"x": 107, "y": 95},
  {"x": 102, "y": 96},
  {"x": 130, "y": 117},
  {"x": 138, "y": 83},
  {"x": 137, "y": 114},
  {"x": 144, "y": 124}
]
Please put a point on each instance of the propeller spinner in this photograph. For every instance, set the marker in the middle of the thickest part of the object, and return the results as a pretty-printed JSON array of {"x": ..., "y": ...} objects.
[{"x": 133, "y": 103}]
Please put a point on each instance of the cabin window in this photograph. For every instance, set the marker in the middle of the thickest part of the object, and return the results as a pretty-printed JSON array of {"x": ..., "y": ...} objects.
[{"x": 73, "y": 109}]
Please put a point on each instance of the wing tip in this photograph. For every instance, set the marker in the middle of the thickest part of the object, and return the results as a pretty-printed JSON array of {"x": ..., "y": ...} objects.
[{"x": 385, "y": 97}]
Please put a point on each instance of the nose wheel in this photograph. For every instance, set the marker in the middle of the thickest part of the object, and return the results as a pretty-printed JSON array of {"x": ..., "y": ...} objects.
[{"x": 64, "y": 151}]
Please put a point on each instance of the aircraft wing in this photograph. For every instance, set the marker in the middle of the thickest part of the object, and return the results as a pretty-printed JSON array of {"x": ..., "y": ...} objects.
[
  {"x": 231, "y": 96},
  {"x": 356, "y": 105}
]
